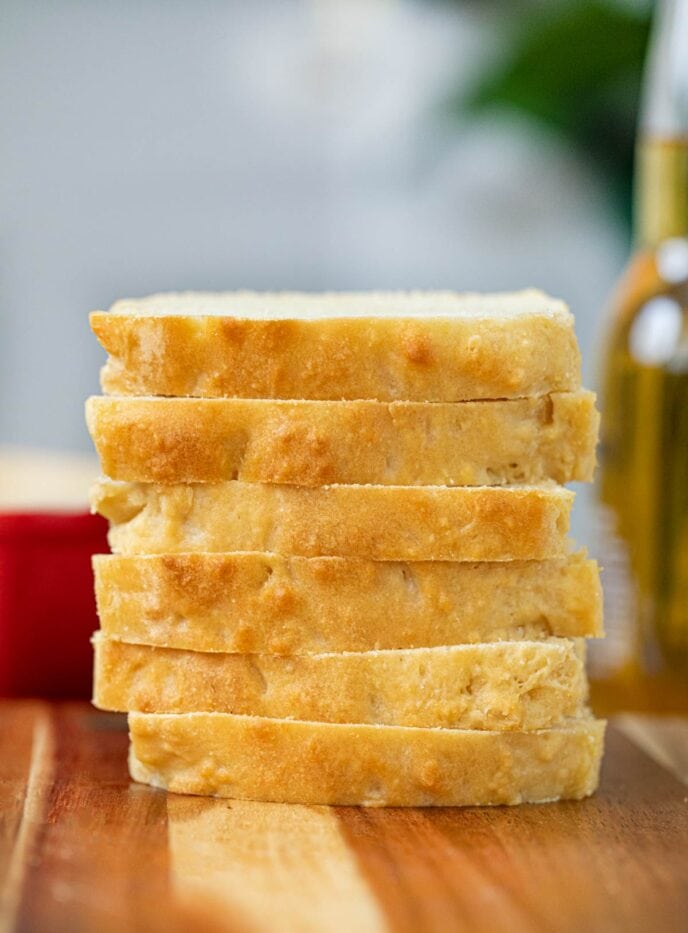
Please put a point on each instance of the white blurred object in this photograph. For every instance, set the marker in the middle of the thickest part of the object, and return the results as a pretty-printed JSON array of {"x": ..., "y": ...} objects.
[
  {"x": 45, "y": 480},
  {"x": 655, "y": 331}
]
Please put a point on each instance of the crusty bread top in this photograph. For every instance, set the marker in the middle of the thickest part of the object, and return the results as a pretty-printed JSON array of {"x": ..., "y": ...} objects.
[
  {"x": 414, "y": 346},
  {"x": 313, "y": 305}
]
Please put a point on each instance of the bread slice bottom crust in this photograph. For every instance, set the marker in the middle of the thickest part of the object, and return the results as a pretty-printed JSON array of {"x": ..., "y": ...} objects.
[
  {"x": 505, "y": 686},
  {"x": 224, "y": 755},
  {"x": 478, "y": 523},
  {"x": 259, "y": 603}
]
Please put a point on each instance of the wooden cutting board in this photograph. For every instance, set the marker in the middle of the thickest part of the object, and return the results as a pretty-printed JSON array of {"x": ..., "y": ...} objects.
[{"x": 83, "y": 849}]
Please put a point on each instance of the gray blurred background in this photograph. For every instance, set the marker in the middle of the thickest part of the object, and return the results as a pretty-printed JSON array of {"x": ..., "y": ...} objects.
[{"x": 300, "y": 144}]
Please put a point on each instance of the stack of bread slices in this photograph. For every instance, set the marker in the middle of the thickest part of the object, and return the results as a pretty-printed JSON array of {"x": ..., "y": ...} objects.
[{"x": 340, "y": 569}]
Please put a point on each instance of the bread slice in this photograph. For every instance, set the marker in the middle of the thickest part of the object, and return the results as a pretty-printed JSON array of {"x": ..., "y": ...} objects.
[
  {"x": 420, "y": 346},
  {"x": 291, "y": 761},
  {"x": 259, "y": 603},
  {"x": 181, "y": 440},
  {"x": 373, "y": 522},
  {"x": 521, "y": 686}
]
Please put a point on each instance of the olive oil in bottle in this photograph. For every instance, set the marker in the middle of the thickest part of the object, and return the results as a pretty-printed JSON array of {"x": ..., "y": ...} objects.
[{"x": 644, "y": 452}]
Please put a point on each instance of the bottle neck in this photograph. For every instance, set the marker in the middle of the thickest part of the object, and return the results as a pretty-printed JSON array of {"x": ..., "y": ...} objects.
[{"x": 661, "y": 196}]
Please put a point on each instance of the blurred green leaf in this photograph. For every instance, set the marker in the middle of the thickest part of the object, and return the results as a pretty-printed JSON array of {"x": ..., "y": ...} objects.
[{"x": 576, "y": 68}]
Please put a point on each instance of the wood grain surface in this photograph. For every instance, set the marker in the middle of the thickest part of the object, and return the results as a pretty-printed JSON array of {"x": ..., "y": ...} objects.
[{"x": 83, "y": 849}]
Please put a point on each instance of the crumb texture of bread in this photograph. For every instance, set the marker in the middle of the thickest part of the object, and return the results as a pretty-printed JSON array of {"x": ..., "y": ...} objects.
[
  {"x": 506, "y": 686},
  {"x": 259, "y": 603},
  {"x": 291, "y": 761},
  {"x": 417, "y": 346},
  {"x": 479, "y": 523},
  {"x": 314, "y": 443}
]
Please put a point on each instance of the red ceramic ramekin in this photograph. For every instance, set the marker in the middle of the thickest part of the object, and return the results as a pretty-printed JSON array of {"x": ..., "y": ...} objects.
[{"x": 47, "y": 606}]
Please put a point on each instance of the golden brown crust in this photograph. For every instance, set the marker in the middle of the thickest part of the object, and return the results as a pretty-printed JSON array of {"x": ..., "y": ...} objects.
[
  {"x": 479, "y": 523},
  {"x": 314, "y": 763},
  {"x": 503, "y": 686},
  {"x": 266, "y": 604},
  {"x": 449, "y": 357},
  {"x": 174, "y": 440}
]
